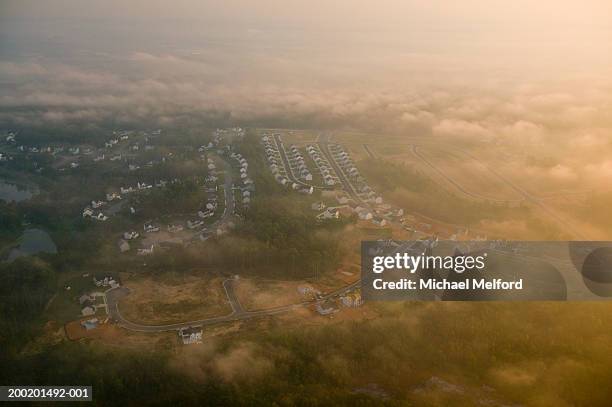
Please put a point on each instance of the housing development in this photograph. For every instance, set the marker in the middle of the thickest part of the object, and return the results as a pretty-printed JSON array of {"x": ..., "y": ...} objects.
[{"x": 306, "y": 203}]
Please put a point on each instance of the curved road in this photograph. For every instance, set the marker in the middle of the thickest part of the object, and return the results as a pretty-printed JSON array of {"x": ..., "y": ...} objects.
[{"x": 113, "y": 296}]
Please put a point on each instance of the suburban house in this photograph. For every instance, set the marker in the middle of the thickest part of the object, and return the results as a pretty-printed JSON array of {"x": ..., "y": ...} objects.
[
  {"x": 175, "y": 228},
  {"x": 149, "y": 228},
  {"x": 101, "y": 217},
  {"x": 97, "y": 204},
  {"x": 112, "y": 196},
  {"x": 194, "y": 224},
  {"x": 88, "y": 310},
  {"x": 378, "y": 221},
  {"x": 86, "y": 298},
  {"x": 317, "y": 206},
  {"x": 363, "y": 213},
  {"x": 130, "y": 235},
  {"x": 329, "y": 213},
  {"x": 352, "y": 300},
  {"x": 190, "y": 335},
  {"x": 206, "y": 214},
  {"x": 146, "y": 251},
  {"x": 105, "y": 281}
]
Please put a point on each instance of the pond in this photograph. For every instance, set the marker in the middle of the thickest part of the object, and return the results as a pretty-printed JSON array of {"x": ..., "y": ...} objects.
[
  {"x": 15, "y": 193},
  {"x": 33, "y": 241}
]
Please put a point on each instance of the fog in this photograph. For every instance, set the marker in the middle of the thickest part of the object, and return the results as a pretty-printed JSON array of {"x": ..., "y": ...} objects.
[{"x": 484, "y": 69}]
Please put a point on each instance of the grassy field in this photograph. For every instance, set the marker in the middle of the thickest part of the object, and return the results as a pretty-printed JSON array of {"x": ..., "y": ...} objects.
[{"x": 172, "y": 297}]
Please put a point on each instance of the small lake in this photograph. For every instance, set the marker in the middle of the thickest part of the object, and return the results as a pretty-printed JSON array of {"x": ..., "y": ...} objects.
[
  {"x": 15, "y": 193},
  {"x": 33, "y": 241}
]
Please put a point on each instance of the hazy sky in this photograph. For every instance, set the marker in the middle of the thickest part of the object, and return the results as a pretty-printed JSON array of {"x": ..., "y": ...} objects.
[{"x": 469, "y": 67}]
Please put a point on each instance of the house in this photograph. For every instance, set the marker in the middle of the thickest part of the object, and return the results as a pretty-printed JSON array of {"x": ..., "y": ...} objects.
[
  {"x": 97, "y": 204},
  {"x": 112, "y": 196},
  {"x": 378, "y": 221},
  {"x": 352, "y": 300},
  {"x": 88, "y": 310},
  {"x": 85, "y": 298},
  {"x": 194, "y": 224},
  {"x": 317, "y": 206},
  {"x": 87, "y": 212},
  {"x": 175, "y": 228},
  {"x": 190, "y": 335},
  {"x": 305, "y": 290},
  {"x": 105, "y": 281},
  {"x": 101, "y": 217},
  {"x": 364, "y": 214},
  {"x": 149, "y": 228},
  {"x": 146, "y": 251},
  {"x": 206, "y": 214},
  {"x": 130, "y": 235},
  {"x": 329, "y": 214},
  {"x": 123, "y": 246},
  {"x": 90, "y": 323},
  {"x": 307, "y": 190}
]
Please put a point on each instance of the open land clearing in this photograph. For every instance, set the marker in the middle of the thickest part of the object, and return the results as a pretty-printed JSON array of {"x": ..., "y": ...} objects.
[
  {"x": 262, "y": 294},
  {"x": 173, "y": 298}
]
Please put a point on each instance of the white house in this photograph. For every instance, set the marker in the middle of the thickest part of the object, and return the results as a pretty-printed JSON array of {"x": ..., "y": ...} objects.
[
  {"x": 194, "y": 224},
  {"x": 101, "y": 217},
  {"x": 206, "y": 214},
  {"x": 175, "y": 228},
  {"x": 190, "y": 335},
  {"x": 378, "y": 221},
  {"x": 317, "y": 206},
  {"x": 88, "y": 310},
  {"x": 329, "y": 213},
  {"x": 146, "y": 251},
  {"x": 365, "y": 214},
  {"x": 130, "y": 235}
]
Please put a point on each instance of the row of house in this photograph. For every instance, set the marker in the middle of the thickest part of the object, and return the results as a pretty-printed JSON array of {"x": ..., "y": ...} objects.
[
  {"x": 297, "y": 163},
  {"x": 277, "y": 167},
  {"x": 371, "y": 206},
  {"x": 327, "y": 173},
  {"x": 247, "y": 184}
]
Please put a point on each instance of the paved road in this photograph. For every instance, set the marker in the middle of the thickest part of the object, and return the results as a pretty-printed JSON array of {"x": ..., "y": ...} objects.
[
  {"x": 367, "y": 149},
  {"x": 415, "y": 151},
  {"x": 348, "y": 187},
  {"x": 232, "y": 298},
  {"x": 532, "y": 199},
  {"x": 113, "y": 297},
  {"x": 228, "y": 196},
  {"x": 290, "y": 174}
]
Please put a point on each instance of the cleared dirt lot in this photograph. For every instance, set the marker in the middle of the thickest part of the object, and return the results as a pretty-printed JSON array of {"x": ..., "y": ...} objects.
[
  {"x": 262, "y": 294},
  {"x": 173, "y": 298}
]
